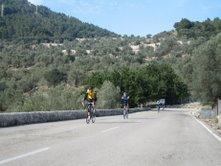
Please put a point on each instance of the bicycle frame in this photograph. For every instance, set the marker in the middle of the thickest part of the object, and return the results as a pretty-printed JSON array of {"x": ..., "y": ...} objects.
[
  {"x": 125, "y": 111},
  {"x": 90, "y": 113}
]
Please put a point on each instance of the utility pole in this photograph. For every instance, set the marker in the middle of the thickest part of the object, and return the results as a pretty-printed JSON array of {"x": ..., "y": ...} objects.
[{"x": 2, "y": 10}]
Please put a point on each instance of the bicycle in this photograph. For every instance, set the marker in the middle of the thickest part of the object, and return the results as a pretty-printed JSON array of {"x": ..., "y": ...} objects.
[
  {"x": 125, "y": 112},
  {"x": 158, "y": 109},
  {"x": 91, "y": 116}
]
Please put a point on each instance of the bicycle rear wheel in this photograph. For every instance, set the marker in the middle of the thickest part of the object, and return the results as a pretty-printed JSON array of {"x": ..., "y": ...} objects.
[
  {"x": 88, "y": 119},
  {"x": 124, "y": 114},
  {"x": 93, "y": 119},
  {"x": 92, "y": 114},
  {"x": 127, "y": 114},
  {"x": 89, "y": 113}
]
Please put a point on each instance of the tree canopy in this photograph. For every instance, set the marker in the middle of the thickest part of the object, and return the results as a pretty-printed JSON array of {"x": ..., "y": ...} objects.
[{"x": 206, "y": 77}]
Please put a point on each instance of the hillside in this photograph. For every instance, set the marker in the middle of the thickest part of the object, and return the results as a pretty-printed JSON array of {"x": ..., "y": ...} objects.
[
  {"x": 22, "y": 22},
  {"x": 53, "y": 75},
  {"x": 194, "y": 52}
]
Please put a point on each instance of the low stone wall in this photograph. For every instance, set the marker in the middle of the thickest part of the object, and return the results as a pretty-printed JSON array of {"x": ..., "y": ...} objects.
[
  {"x": 219, "y": 107},
  {"x": 207, "y": 114},
  {"x": 219, "y": 121},
  {"x": 22, "y": 118}
]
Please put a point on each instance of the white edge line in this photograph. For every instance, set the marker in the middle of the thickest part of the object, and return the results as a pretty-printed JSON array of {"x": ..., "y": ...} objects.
[
  {"x": 216, "y": 136},
  {"x": 104, "y": 131},
  {"x": 23, "y": 155}
]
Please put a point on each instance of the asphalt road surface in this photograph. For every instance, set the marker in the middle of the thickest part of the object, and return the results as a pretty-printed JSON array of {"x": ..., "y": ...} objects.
[{"x": 172, "y": 138}]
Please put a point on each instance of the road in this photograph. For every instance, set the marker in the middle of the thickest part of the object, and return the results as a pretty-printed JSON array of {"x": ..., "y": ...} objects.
[{"x": 172, "y": 138}]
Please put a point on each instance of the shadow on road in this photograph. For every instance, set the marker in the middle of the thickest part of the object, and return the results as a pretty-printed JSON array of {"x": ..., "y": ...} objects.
[
  {"x": 145, "y": 118},
  {"x": 123, "y": 122}
]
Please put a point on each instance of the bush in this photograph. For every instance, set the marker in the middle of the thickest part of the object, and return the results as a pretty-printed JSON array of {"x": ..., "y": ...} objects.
[
  {"x": 58, "y": 98},
  {"x": 108, "y": 96},
  {"x": 54, "y": 77}
]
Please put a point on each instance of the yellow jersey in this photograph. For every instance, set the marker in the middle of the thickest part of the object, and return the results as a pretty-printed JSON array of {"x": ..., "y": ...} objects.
[{"x": 90, "y": 95}]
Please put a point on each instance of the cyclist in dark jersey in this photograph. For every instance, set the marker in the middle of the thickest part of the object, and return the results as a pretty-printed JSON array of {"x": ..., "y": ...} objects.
[{"x": 125, "y": 102}]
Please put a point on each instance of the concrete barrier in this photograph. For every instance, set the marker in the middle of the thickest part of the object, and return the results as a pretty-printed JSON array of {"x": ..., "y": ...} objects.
[{"x": 22, "y": 118}]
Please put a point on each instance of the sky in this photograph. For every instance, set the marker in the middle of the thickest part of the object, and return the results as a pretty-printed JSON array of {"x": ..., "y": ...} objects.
[{"x": 138, "y": 17}]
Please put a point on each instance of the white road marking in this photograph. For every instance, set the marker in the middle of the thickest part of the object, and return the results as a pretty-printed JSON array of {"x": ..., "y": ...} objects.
[
  {"x": 110, "y": 129},
  {"x": 216, "y": 136},
  {"x": 23, "y": 155}
]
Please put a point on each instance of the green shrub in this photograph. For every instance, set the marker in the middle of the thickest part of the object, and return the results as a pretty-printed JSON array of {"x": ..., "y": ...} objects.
[
  {"x": 108, "y": 96},
  {"x": 54, "y": 77}
]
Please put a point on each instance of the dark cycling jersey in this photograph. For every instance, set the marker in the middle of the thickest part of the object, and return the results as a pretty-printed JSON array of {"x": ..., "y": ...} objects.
[{"x": 125, "y": 100}]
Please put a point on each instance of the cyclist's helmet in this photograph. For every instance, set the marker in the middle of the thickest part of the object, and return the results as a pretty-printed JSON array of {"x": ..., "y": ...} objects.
[{"x": 91, "y": 88}]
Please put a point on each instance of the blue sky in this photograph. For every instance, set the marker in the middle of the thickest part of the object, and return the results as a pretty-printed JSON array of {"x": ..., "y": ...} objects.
[{"x": 138, "y": 17}]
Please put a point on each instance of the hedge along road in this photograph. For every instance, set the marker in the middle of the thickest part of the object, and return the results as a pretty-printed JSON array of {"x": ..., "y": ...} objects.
[{"x": 170, "y": 138}]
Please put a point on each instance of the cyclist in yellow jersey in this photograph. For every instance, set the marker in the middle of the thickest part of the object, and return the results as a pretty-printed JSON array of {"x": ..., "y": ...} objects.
[{"x": 90, "y": 97}]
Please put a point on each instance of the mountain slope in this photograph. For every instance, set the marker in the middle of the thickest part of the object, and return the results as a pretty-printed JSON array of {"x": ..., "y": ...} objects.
[{"x": 21, "y": 22}]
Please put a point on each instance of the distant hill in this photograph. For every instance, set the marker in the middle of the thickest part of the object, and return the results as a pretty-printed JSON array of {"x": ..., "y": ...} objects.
[{"x": 22, "y": 22}]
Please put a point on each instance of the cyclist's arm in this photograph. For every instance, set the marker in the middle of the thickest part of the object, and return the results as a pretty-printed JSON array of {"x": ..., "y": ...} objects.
[
  {"x": 122, "y": 99},
  {"x": 85, "y": 98},
  {"x": 95, "y": 97}
]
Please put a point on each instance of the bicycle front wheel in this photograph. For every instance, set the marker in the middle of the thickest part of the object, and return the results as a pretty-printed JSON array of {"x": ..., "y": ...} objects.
[
  {"x": 88, "y": 120},
  {"x": 124, "y": 113},
  {"x": 93, "y": 117},
  {"x": 88, "y": 117}
]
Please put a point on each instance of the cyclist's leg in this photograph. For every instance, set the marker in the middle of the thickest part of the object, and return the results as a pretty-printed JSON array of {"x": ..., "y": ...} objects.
[
  {"x": 88, "y": 108},
  {"x": 124, "y": 110},
  {"x": 93, "y": 107},
  {"x": 93, "y": 112},
  {"x": 87, "y": 112},
  {"x": 127, "y": 110}
]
